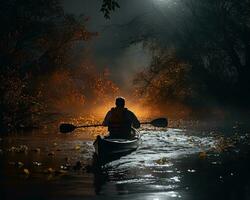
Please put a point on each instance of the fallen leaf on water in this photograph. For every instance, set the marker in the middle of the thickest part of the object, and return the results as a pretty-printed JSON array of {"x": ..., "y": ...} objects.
[
  {"x": 77, "y": 147},
  {"x": 19, "y": 164},
  {"x": 161, "y": 161},
  {"x": 19, "y": 149},
  {"x": 202, "y": 155},
  {"x": 49, "y": 171},
  {"x": 22, "y": 149},
  {"x": 65, "y": 166},
  {"x": 12, "y": 149},
  {"x": 26, "y": 171},
  {"x": 37, "y": 163}
]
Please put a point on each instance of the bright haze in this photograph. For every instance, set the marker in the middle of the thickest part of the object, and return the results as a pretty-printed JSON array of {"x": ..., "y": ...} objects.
[{"x": 113, "y": 48}]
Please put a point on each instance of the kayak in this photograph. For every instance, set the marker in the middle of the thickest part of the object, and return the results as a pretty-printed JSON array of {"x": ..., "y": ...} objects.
[{"x": 110, "y": 148}]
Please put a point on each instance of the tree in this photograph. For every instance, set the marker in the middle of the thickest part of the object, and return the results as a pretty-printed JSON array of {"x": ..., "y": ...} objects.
[
  {"x": 212, "y": 39},
  {"x": 109, "y": 6},
  {"x": 36, "y": 40}
]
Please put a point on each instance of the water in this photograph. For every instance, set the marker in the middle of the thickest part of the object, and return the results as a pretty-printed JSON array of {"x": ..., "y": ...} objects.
[{"x": 169, "y": 164}]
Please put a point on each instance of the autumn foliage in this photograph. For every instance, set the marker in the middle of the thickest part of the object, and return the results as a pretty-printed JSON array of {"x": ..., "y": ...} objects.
[{"x": 37, "y": 39}]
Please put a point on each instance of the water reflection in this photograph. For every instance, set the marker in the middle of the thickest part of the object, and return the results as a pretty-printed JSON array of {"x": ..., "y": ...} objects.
[
  {"x": 151, "y": 169},
  {"x": 172, "y": 164}
]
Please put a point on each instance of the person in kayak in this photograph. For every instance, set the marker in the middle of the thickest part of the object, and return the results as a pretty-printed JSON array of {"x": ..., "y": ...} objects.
[{"x": 120, "y": 120}]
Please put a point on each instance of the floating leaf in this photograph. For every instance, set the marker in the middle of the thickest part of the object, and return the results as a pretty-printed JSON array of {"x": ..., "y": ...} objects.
[
  {"x": 49, "y": 171},
  {"x": 64, "y": 167},
  {"x": 37, "y": 163},
  {"x": 202, "y": 155},
  {"x": 22, "y": 148},
  {"x": 12, "y": 149},
  {"x": 162, "y": 161},
  {"x": 77, "y": 147},
  {"x": 19, "y": 164},
  {"x": 19, "y": 149},
  {"x": 26, "y": 171}
]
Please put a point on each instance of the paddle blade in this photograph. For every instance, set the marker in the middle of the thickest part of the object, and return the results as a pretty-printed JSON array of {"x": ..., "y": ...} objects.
[
  {"x": 160, "y": 122},
  {"x": 66, "y": 128}
]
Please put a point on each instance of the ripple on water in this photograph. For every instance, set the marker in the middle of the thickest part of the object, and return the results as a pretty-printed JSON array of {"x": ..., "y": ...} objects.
[
  {"x": 149, "y": 171},
  {"x": 158, "y": 148}
]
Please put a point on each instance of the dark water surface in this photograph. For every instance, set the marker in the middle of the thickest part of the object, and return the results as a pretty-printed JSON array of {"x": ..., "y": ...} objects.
[{"x": 169, "y": 164}]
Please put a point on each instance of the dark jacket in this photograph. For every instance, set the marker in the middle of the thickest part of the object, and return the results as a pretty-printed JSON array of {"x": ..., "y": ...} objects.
[{"x": 120, "y": 121}]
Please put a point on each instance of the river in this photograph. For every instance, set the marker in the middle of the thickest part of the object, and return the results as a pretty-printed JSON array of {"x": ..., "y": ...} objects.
[{"x": 169, "y": 164}]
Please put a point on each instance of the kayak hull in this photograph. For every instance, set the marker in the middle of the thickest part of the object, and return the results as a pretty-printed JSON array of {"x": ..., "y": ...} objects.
[{"x": 110, "y": 149}]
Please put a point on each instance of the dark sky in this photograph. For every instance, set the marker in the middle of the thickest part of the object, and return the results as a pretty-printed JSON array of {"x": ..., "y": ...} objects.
[{"x": 112, "y": 48}]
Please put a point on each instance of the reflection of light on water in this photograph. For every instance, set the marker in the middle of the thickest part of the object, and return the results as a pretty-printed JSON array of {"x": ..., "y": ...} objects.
[
  {"x": 163, "y": 195},
  {"x": 159, "y": 169},
  {"x": 152, "y": 167},
  {"x": 163, "y": 187},
  {"x": 174, "y": 194},
  {"x": 158, "y": 148},
  {"x": 176, "y": 179},
  {"x": 134, "y": 181}
]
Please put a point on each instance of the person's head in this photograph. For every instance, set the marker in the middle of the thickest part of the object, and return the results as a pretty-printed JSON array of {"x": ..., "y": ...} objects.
[{"x": 120, "y": 102}]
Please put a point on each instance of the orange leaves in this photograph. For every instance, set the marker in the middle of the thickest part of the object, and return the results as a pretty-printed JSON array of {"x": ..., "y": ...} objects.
[
  {"x": 60, "y": 91},
  {"x": 26, "y": 171},
  {"x": 76, "y": 90},
  {"x": 165, "y": 83},
  {"x": 203, "y": 155}
]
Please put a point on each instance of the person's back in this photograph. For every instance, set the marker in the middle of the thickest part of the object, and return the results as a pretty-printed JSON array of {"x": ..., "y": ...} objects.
[{"x": 120, "y": 120}]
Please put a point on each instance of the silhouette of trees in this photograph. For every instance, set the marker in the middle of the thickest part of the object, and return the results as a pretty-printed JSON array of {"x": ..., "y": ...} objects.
[
  {"x": 109, "y": 6},
  {"x": 209, "y": 41},
  {"x": 36, "y": 43}
]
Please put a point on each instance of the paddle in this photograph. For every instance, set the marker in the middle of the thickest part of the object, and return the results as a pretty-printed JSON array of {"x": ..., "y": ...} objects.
[
  {"x": 66, "y": 128},
  {"x": 159, "y": 122}
]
